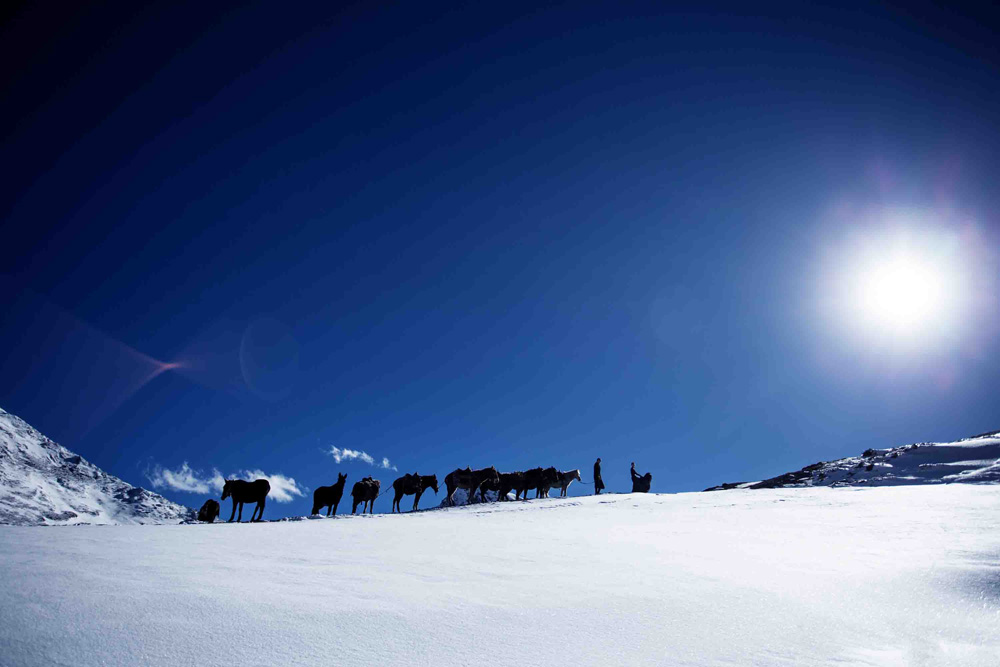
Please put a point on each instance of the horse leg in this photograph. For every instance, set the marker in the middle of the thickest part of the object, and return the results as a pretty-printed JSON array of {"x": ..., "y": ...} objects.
[
  {"x": 416, "y": 500},
  {"x": 334, "y": 508},
  {"x": 234, "y": 511},
  {"x": 239, "y": 519},
  {"x": 260, "y": 507}
]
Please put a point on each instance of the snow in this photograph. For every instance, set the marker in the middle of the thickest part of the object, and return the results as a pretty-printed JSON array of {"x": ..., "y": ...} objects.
[
  {"x": 42, "y": 482},
  {"x": 903, "y": 575},
  {"x": 972, "y": 460}
]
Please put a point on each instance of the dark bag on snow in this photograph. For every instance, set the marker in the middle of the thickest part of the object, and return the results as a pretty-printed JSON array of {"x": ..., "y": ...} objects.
[{"x": 208, "y": 511}]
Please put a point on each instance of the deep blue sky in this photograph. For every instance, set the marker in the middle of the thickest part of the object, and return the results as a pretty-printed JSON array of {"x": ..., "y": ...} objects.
[{"x": 491, "y": 235}]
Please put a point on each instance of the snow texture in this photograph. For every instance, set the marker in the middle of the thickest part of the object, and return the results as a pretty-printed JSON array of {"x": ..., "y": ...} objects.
[
  {"x": 812, "y": 576},
  {"x": 44, "y": 483},
  {"x": 974, "y": 460}
]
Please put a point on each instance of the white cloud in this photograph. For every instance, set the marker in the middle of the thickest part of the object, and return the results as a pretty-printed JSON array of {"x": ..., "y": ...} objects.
[
  {"x": 189, "y": 480},
  {"x": 183, "y": 479},
  {"x": 339, "y": 455}
]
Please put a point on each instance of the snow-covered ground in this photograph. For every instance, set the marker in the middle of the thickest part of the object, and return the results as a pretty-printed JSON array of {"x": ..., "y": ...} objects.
[
  {"x": 816, "y": 576},
  {"x": 42, "y": 482}
]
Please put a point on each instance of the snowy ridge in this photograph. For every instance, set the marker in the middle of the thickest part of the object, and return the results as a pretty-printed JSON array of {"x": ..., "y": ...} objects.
[
  {"x": 973, "y": 460},
  {"x": 43, "y": 483}
]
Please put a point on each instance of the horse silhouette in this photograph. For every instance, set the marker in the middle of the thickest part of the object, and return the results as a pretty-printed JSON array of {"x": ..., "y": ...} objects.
[
  {"x": 540, "y": 479},
  {"x": 412, "y": 485},
  {"x": 329, "y": 496},
  {"x": 472, "y": 480},
  {"x": 365, "y": 491},
  {"x": 247, "y": 492},
  {"x": 563, "y": 481},
  {"x": 510, "y": 481}
]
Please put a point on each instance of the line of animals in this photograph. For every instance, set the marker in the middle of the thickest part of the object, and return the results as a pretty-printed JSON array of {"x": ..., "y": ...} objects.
[{"x": 366, "y": 491}]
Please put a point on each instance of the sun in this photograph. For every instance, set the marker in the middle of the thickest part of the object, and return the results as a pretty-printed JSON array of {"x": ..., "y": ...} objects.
[
  {"x": 902, "y": 286},
  {"x": 906, "y": 291}
]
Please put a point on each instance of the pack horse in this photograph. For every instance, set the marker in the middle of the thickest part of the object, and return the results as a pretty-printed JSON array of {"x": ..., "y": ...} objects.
[
  {"x": 365, "y": 491},
  {"x": 472, "y": 481},
  {"x": 412, "y": 485}
]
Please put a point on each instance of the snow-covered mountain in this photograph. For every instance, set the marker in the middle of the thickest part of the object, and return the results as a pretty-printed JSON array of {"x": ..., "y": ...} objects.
[
  {"x": 43, "y": 483},
  {"x": 971, "y": 460}
]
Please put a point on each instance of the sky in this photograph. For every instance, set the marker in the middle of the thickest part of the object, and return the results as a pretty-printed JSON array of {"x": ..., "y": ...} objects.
[{"x": 386, "y": 239}]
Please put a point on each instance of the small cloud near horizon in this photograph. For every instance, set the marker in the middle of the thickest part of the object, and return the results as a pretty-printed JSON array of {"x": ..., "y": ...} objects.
[
  {"x": 343, "y": 454},
  {"x": 187, "y": 479}
]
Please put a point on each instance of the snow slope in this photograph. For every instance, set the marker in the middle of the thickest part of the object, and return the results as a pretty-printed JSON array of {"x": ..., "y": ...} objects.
[
  {"x": 848, "y": 576},
  {"x": 972, "y": 460},
  {"x": 44, "y": 483}
]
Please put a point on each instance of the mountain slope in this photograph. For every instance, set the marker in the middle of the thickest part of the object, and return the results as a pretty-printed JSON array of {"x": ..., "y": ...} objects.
[
  {"x": 971, "y": 460},
  {"x": 43, "y": 483}
]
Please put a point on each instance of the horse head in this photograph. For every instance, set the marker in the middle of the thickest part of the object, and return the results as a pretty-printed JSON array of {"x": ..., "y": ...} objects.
[
  {"x": 341, "y": 479},
  {"x": 577, "y": 475},
  {"x": 227, "y": 488},
  {"x": 431, "y": 481}
]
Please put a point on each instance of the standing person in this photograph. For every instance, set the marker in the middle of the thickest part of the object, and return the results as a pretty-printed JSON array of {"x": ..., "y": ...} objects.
[{"x": 598, "y": 482}]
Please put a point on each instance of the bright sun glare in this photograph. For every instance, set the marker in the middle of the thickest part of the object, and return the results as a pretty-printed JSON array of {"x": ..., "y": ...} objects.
[
  {"x": 901, "y": 286},
  {"x": 905, "y": 291}
]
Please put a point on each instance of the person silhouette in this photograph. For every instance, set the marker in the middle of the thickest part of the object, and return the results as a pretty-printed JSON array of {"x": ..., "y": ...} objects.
[
  {"x": 598, "y": 482},
  {"x": 640, "y": 483}
]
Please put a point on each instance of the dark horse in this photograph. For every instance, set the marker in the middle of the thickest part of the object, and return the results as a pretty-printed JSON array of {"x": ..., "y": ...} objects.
[
  {"x": 413, "y": 485},
  {"x": 329, "y": 496},
  {"x": 539, "y": 479},
  {"x": 472, "y": 480},
  {"x": 365, "y": 491},
  {"x": 510, "y": 481},
  {"x": 247, "y": 492}
]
